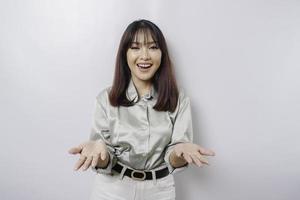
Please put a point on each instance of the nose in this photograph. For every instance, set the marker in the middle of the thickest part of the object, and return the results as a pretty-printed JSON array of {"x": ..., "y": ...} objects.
[{"x": 145, "y": 54}]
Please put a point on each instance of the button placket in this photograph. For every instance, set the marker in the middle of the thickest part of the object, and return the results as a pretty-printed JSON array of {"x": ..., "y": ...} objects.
[{"x": 148, "y": 127}]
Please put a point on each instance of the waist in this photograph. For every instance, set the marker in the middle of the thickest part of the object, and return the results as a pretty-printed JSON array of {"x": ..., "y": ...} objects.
[{"x": 140, "y": 174}]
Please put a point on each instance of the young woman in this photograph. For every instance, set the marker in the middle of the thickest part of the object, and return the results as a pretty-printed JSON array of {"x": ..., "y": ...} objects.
[{"x": 142, "y": 131}]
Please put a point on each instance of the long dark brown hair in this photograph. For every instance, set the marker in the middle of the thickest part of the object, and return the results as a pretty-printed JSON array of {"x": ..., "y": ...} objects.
[{"x": 164, "y": 81}]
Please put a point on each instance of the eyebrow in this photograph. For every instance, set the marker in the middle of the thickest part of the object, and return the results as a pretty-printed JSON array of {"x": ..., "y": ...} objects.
[{"x": 146, "y": 43}]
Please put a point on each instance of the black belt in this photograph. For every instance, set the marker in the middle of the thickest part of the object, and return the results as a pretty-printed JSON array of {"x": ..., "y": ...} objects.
[{"x": 141, "y": 175}]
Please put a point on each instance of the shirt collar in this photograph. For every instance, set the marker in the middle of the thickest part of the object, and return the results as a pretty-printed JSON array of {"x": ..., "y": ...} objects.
[{"x": 132, "y": 93}]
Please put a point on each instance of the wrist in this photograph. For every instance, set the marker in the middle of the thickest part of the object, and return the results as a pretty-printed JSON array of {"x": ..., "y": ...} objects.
[
  {"x": 176, "y": 161},
  {"x": 103, "y": 163}
]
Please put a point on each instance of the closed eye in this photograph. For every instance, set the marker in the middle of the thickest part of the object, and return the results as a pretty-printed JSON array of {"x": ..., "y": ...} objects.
[
  {"x": 154, "y": 47},
  {"x": 134, "y": 47}
]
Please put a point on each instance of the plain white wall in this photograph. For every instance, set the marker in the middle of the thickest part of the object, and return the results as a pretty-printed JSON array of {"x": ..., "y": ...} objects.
[{"x": 237, "y": 60}]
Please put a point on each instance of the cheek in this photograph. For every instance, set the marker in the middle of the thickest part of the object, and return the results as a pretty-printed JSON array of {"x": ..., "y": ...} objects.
[
  {"x": 158, "y": 59},
  {"x": 156, "y": 56},
  {"x": 130, "y": 59},
  {"x": 159, "y": 55}
]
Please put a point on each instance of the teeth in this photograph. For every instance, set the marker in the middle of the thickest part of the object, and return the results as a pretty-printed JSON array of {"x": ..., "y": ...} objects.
[{"x": 144, "y": 65}]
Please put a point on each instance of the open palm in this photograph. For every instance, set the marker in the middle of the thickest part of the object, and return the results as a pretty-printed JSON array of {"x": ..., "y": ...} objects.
[
  {"x": 193, "y": 153},
  {"x": 90, "y": 153}
]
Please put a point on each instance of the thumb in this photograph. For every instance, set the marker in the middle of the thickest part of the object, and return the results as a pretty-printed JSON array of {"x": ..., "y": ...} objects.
[
  {"x": 75, "y": 150},
  {"x": 206, "y": 152}
]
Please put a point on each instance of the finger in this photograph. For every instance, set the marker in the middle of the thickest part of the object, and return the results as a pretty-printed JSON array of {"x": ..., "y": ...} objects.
[
  {"x": 82, "y": 145},
  {"x": 206, "y": 152},
  {"x": 203, "y": 159},
  {"x": 187, "y": 158},
  {"x": 87, "y": 163},
  {"x": 196, "y": 160},
  {"x": 79, "y": 162},
  {"x": 75, "y": 150},
  {"x": 103, "y": 155},
  {"x": 95, "y": 160}
]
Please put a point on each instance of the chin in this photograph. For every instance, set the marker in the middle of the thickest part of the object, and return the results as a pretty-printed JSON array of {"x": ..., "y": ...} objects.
[{"x": 144, "y": 78}]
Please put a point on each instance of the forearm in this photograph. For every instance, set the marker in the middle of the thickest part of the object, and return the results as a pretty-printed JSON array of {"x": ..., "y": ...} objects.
[
  {"x": 103, "y": 163},
  {"x": 176, "y": 161}
]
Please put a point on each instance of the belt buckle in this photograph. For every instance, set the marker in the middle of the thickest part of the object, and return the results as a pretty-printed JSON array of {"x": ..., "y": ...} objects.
[{"x": 138, "y": 178}]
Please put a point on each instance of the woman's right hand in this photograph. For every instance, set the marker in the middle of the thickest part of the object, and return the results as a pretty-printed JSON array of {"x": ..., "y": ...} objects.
[{"x": 91, "y": 153}]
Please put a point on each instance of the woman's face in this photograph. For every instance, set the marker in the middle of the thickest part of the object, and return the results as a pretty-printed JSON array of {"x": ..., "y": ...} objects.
[{"x": 143, "y": 57}]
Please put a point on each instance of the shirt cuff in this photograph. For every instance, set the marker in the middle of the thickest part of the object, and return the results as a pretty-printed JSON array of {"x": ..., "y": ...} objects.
[{"x": 172, "y": 169}]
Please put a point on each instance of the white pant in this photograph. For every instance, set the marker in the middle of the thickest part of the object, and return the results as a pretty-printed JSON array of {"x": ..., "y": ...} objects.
[{"x": 111, "y": 187}]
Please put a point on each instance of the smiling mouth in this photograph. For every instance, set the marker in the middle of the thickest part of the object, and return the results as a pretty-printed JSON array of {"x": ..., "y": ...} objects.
[{"x": 144, "y": 65}]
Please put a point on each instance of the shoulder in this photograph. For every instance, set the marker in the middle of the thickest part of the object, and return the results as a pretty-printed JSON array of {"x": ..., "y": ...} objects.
[
  {"x": 102, "y": 96},
  {"x": 182, "y": 102},
  {"x": 182, "y": 95},
  {"x": 183, "y": 98}
]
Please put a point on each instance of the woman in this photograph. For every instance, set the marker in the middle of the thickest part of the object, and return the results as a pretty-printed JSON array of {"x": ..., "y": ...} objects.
[{"x": 142, "y": 131}]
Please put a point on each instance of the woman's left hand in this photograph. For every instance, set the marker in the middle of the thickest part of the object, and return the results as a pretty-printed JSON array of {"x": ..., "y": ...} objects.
[{"x": 193, "y": 153}]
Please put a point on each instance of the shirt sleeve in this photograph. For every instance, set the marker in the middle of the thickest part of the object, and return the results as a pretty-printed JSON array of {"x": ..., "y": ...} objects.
[
  {"x": 101, "y": 130},
  {"x": 182, "y": 129}
]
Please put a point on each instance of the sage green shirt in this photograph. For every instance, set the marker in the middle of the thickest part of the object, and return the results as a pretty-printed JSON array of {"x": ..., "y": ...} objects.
[{"x": 139, "y": 136}]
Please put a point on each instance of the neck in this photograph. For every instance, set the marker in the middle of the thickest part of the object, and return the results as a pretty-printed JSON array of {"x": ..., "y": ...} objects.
[{"x": 143, "y": 87}]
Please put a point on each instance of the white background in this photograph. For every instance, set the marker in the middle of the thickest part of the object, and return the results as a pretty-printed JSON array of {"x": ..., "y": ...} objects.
[{"x": 237, "y": 60}]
